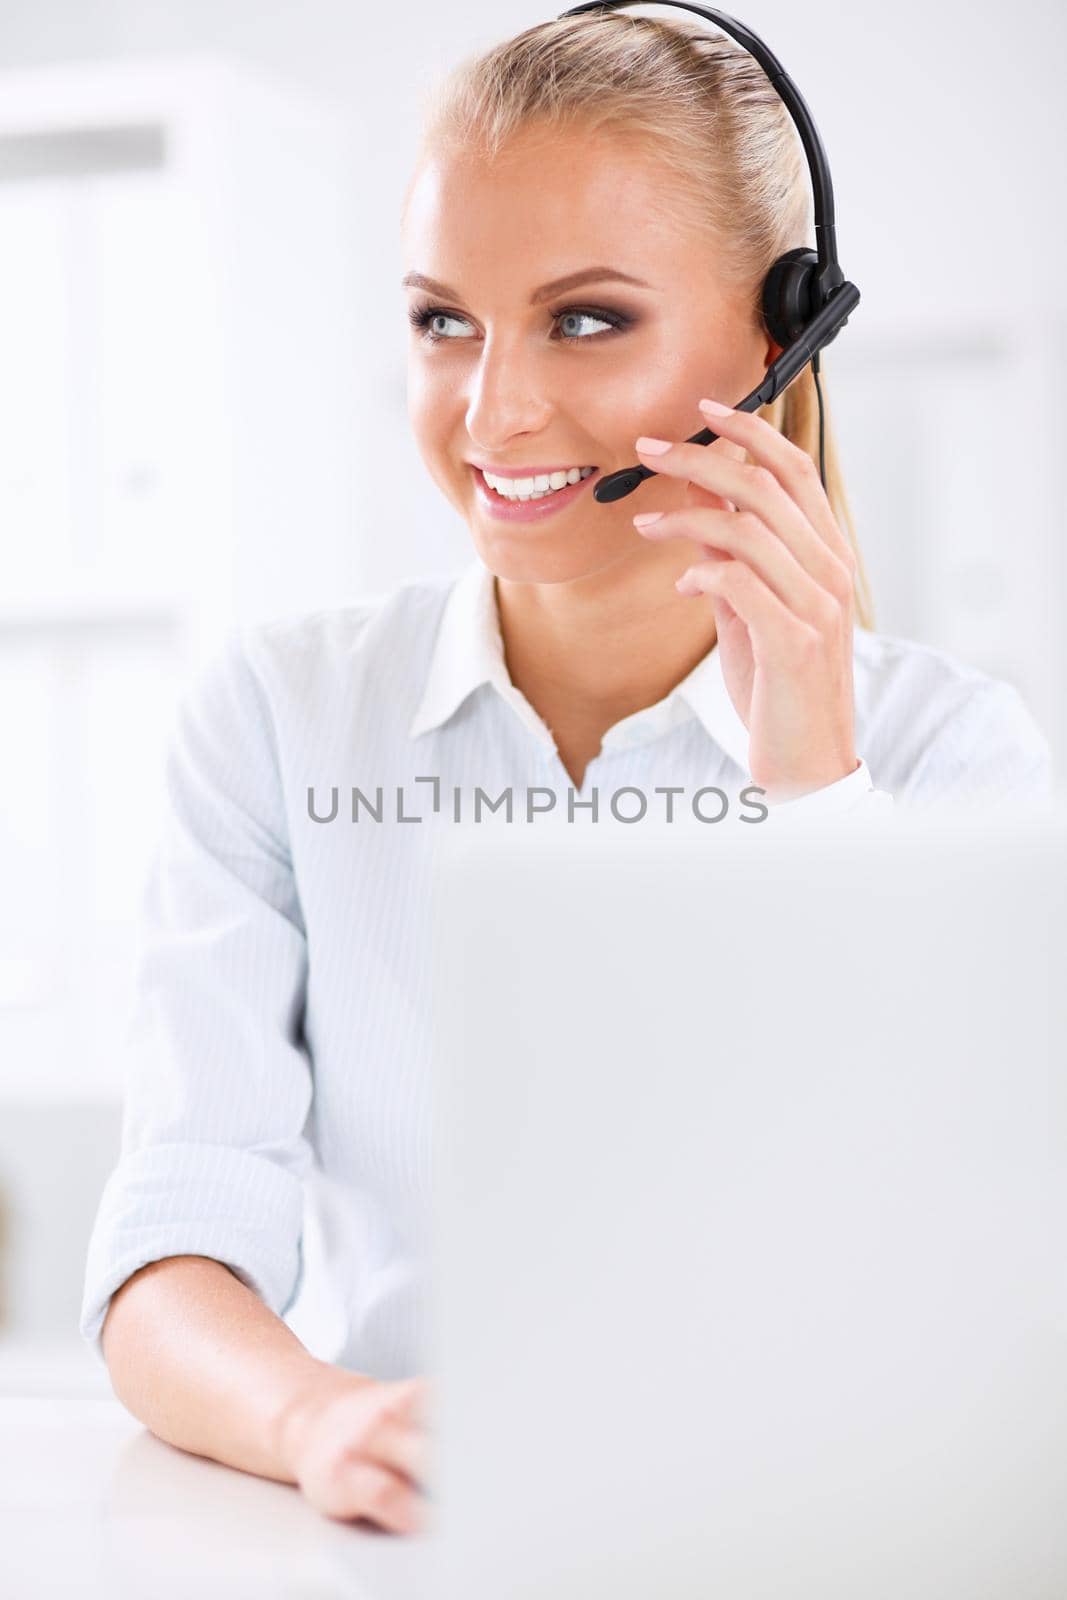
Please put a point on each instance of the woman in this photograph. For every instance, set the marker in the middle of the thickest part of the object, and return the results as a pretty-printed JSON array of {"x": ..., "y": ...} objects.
[{"x": 594, "y": 208}]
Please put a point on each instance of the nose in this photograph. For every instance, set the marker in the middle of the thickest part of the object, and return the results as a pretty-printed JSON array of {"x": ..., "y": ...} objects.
[{"x": 507, "y": 398}]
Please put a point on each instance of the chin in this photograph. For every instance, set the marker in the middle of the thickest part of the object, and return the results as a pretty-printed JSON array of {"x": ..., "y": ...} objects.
[{"x": 519, "y": 555}]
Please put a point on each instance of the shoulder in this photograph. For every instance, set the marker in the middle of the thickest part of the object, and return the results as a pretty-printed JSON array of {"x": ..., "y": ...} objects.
[
  {"x": 933, "y": 727},
  {"x": 324, "y": 663},
  {"x": 336, "y": 642},
  {"x": 280, "y": 691}
]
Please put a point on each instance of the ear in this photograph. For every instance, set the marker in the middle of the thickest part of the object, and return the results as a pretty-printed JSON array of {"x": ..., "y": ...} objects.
[{"x": 773, "y": 351}]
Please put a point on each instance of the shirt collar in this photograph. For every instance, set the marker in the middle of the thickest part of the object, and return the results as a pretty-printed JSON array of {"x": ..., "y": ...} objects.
[{"x": 469, "y": 651}]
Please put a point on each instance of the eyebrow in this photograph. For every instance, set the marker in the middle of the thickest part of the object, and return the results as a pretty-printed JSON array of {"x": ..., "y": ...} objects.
[{"x": 573, "y": 280}]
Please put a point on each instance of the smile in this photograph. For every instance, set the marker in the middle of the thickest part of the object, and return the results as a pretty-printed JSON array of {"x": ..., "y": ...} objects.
[
  {"x": 532, "y": 497},
  {"x": 536, "y": 487}
]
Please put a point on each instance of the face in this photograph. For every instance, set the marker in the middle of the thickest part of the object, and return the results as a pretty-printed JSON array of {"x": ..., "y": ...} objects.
[{"x": 515, "y": 374}]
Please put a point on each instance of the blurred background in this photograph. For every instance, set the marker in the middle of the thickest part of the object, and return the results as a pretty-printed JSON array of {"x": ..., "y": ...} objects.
[{"x": 202, "y": 424}]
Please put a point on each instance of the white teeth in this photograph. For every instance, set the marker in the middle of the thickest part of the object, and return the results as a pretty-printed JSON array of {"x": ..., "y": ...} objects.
[{"x": 535, "y": 488}]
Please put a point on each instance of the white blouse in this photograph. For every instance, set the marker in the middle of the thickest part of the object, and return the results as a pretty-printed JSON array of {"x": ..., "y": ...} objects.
[{"x": 279, "y": 1036}]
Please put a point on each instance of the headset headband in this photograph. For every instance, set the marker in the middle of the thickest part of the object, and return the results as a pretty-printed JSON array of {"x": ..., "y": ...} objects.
[{"x": 819, "y": 167}]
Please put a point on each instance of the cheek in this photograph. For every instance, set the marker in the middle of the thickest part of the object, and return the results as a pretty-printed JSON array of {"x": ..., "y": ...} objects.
[
  {"x": 429, "y": 411},
  {"x": 657, "y": 388},
  {"x": 435, "y": 418}
]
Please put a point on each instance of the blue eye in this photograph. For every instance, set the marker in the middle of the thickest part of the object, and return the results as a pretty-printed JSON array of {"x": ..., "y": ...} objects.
[
  {"x": 427, "y": 318},
  {"x": 582, "y": 316},
  {"x": 431, "y": 322}
]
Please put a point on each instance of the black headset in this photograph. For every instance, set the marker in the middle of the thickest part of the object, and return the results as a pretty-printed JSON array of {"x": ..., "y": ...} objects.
[{"x": 806, "y": 298}]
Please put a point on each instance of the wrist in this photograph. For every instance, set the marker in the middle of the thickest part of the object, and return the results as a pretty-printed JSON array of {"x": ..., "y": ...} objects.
[
  {"x": 779, "y": 789},
  {"x": 311, "y": 1387},
  {"x": 287, "y": 1417}
]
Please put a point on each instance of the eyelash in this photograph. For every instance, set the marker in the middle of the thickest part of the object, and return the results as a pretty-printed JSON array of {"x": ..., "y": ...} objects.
[{"x": 420, "y": 318}]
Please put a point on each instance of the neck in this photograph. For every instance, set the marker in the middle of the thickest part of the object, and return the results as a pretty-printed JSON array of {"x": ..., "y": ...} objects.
[{"x": 595, "y": 649}]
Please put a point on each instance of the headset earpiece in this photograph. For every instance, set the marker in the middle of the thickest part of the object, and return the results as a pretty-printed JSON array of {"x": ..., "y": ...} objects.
[{"x": 790, "y": 294}]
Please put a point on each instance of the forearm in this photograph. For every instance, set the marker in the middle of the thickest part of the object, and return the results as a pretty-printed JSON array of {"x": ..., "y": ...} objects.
[{"x": 199, "y": 1359}]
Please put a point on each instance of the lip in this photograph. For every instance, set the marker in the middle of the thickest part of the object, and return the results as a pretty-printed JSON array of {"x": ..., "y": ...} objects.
[{"x": 527, "y": 510}]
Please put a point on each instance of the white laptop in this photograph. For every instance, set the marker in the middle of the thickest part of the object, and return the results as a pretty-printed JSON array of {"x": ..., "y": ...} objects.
[{"x": 751, "y": 1202}]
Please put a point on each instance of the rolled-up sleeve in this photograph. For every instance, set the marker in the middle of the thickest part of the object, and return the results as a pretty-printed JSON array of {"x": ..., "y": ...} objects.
[{"x": 218, "y": 1083}]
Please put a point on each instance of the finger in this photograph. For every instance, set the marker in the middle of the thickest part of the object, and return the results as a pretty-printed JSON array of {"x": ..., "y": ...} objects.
[
  {"x": 778, "y": 636},
  {"x": 755, "y": 488},
  {"x": 792, "y": 466},
  {"x": 402, "y": 1446},
  {"x": 380, "y": 1496},
  {"x": 410, "y": 1398},
  {"x": 743, "y": 535}
]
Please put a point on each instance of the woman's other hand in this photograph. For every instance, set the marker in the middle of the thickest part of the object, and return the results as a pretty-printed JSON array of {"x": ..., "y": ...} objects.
[
  {"x": 779, "y": 573},
  {"x": 358, "y": 1447}
]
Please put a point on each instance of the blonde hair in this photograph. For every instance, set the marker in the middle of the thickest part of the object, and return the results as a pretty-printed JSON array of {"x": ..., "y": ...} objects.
[{"x": 711, "y": 115}]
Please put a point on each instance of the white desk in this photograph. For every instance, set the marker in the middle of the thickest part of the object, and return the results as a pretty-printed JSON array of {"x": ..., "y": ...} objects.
[{"x": 93, "y": 1505}]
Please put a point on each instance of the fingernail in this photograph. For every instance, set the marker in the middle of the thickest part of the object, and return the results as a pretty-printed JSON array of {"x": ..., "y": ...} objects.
[
  {"x": 646, "y": 517},
  {"x": 714, "y": 407},
  {"x": 653, "y": 447}
]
